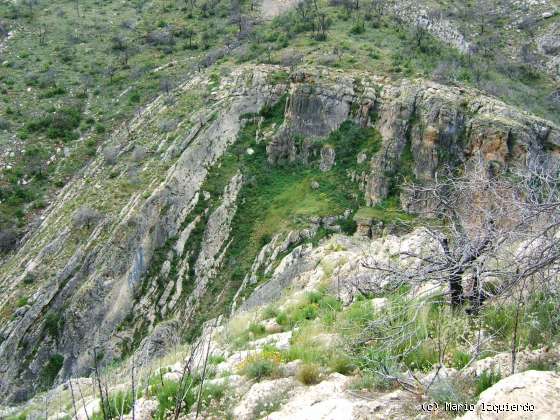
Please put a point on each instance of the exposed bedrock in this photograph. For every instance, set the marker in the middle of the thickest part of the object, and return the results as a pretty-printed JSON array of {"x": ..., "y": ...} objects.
[{"x": 89, "y": 286}]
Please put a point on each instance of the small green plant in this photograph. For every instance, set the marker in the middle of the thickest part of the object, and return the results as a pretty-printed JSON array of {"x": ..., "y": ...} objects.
[
  {"x": 119, "y": 404},
  {"x": 51, "y": 369},
  {"x": 370, "y": 381},
  {"x": 542, "y": 365},
  {"x": 270, "y": 312},
  {"x": 269, "y": 404},
  {"x": 22, "y": 301},
  {"x": 485, "y": 381},
  {"x": 452, "y": 391},
  {"x": 282, "y": 319},
  {"x": 260, "y": 368},
  {"x": 216, "y": 359},
  {"x": 460, "y": 359},
  {"x": 500, "y": 320},
  {"x": 308, "y": 374},
  {"x": 341, "y": 363},
  {"x": 53, "y": 323},
  {"x": 257, "y": 330}
]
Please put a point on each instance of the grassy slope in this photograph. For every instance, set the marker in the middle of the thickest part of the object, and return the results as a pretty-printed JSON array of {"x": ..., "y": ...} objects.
[{"x": 89, "y": 74}]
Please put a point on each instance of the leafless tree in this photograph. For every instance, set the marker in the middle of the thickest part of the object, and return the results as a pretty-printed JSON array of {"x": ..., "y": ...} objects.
[
  {"x": 496, "y": 226},
  {"x": 495, "y": 239}
]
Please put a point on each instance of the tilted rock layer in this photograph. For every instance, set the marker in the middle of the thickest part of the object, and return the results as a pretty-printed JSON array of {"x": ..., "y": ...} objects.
[{"x": 98, "y": 286}]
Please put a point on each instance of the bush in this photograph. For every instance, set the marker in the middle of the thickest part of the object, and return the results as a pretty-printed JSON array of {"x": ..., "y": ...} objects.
[
  {"x": 308, "y": 374},
  {"x": 452, "y": 391},
  {"x": 8, "y": 240},
  {"x": 282, "y": 319},
  {"x": 260, "y": 368},
  {"x": 542, "y": 365},
  {"x": 119, "y": 404},
  {"x": 51, "y": 369},
  {"x": 22, "y": 301},
  {"x": 53, "y": 323},
  {"x": 499, "y": 320},
  {"x": 58, "y": 124},
  {"x": 373, "y": 382},
  {"x": 305, "y": 312},
  {"x": 460, "y": 359},
  {"x": 257, "y": 330},
  {"x": 216, "y": 359},
  {"x": 341, "y": 363},
  {"x": 85, "y": 217}
]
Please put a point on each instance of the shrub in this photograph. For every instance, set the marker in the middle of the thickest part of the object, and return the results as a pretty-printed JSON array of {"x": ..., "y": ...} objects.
[
  {"x": 216, "y": 359},
  {"x": 542, "y": 364},
  {"x": 22, "y": 301},
  {"x": 59, "y": 123},
  {"x": 269, "y": 404},
  {"x": 341, "y": 363},
  {"x": 308, "y": 374},
  {"x": 259, "y": 368},
  {"x": 51, "y": 369},
  {"x": 8, "y": 240},
  {"x": 257, "y": 330},
  {"x": 282, "y": 319},
  {"x": 85, "y": 217},
  {"x": 452, "y": 391},
  {"x": 53, "y": 323},
  {"x": 29, "y": 278},
  {"x": 460, "y": 359},
  {"x": 305, "y": 312},
  {"x": 499, "y": 320},
  {"x": 270, "y": 312},
  {"x": 4, "y": 124},
  {"x": 373, "y": 382},
  {"x": 119, "y": 404}
]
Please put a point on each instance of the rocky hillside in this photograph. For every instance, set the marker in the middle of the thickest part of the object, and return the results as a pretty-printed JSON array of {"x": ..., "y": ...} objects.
[
  {"x": 212, "y": 254},
  {"x": 162, "y": 227}
]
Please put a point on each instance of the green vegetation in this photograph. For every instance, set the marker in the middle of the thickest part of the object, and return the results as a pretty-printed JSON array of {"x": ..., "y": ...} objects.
[
  {"x": 308, "y": 374},
  {"x": 119, "y": 404},
  {"x": 166, "y": 393},
  {"x": 53, "y": 324},
  {"x": 365, "y": 39},
  {"x": 386, "y": 213},
  {"x": 485, "y": 380},
  {"x": 70, "y": 71},
  {"x": 279, "y": 198},
  {"x": 263, "y": 365},
  {"x": 50, "y": 370}
]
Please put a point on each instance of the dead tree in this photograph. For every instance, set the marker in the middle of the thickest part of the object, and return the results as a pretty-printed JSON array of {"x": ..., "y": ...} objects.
[{"x": 492, "y": 225}]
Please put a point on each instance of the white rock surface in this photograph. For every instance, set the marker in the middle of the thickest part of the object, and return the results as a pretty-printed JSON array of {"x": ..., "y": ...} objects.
[
  {"x": 262, "y": 393},
  {"x": 538, "y": 389},
  {"x": 144, "y": 409}
]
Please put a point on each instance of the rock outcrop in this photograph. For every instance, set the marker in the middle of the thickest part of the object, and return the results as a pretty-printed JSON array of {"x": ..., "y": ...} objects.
[
  {"x": 160, "y": 244},
  {"x": 528, "y": 395}
]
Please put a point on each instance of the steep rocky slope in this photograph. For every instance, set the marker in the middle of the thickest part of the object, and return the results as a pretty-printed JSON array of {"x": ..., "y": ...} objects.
[
  {"x": 284, "y": 354},
  {"x": 150, "y": 231}
]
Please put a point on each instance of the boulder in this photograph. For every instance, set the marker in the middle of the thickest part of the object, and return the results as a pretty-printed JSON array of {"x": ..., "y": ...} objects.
[
  {"x": 528, "y": 395},
  {"x": 261, "y": 395}
]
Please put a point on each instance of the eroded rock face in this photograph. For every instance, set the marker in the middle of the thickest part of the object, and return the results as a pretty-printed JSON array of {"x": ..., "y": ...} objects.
[{"x": 341, "y": 259}]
